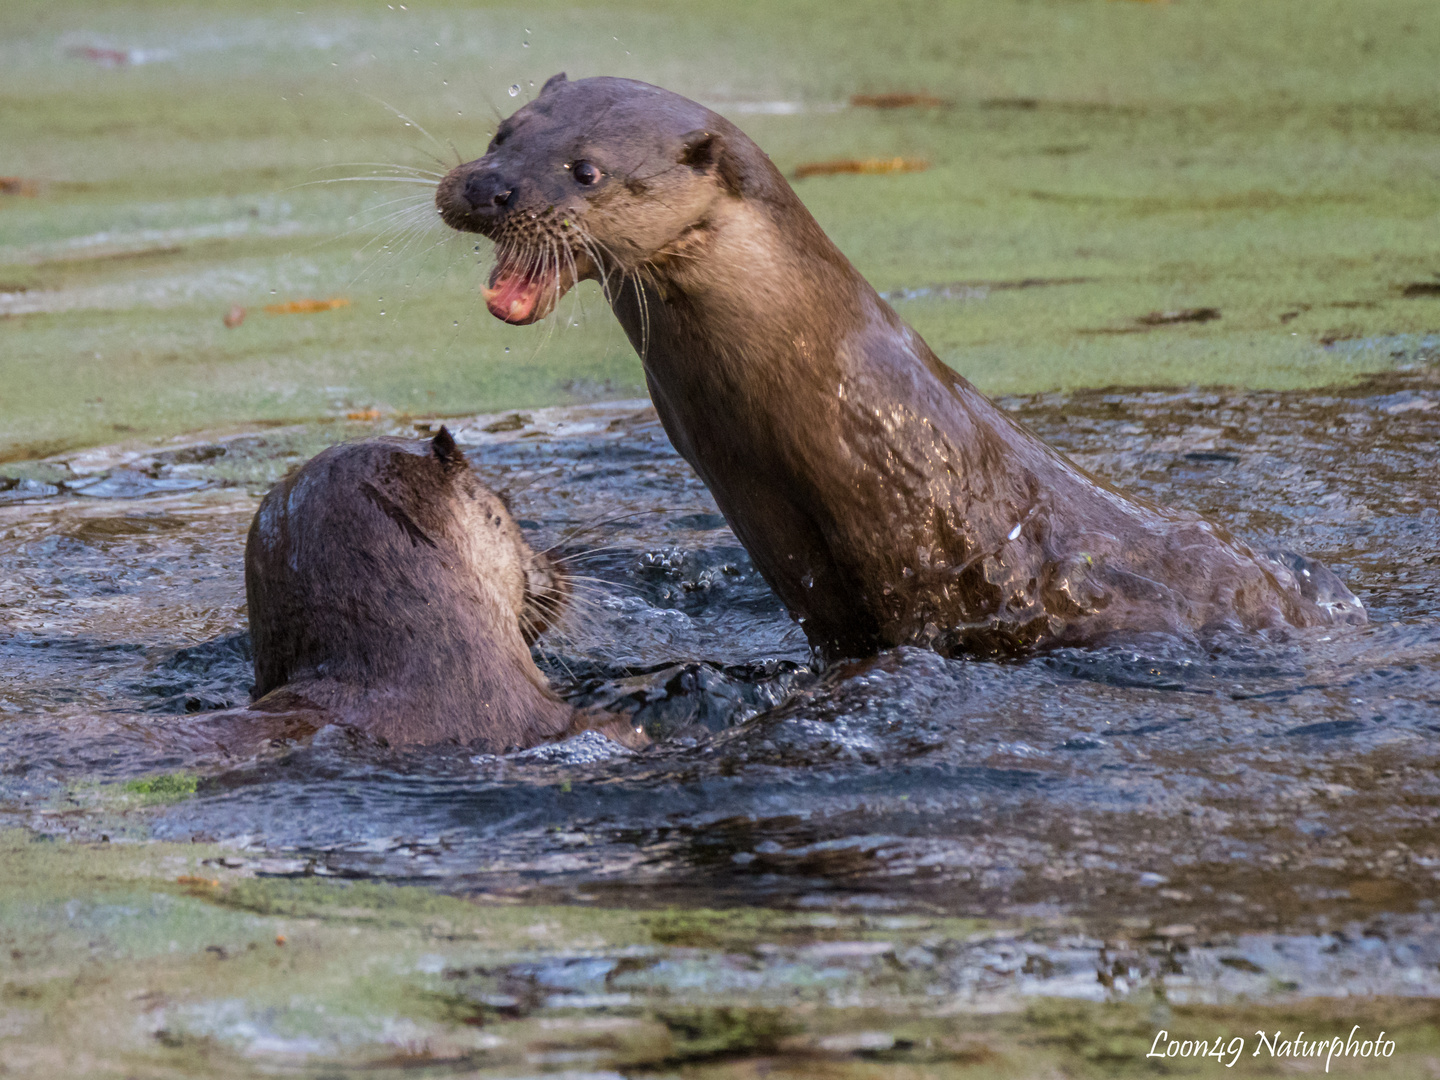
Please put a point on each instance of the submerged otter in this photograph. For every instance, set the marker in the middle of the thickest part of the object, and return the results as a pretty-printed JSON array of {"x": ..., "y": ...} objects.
[
  {"x": 882, "y": 496},
  {"x": 391, "y": 591}
]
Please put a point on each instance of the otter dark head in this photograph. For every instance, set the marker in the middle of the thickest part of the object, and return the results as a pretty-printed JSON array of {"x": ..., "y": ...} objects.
[
  {"x": 385, "y": 569},
  {"x": 592, "y": 178}
]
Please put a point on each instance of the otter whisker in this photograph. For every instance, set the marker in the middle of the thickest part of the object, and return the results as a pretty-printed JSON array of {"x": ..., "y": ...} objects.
[
  {"x": 368, "y": 180},
  {"x": 413, "y": 123},
  {"x": 391, "y": 255},
  {"x": 406, "y": 216},
  {"x": 409, "y": 226},
  {"x": 547, "y": 254},
  {"x": 584, "y": 527},
  {"x": 576, "y": 311},
  {"x": 508, "y": 493},
  {"x": 610, "y": 263},
  {"x": 642, "y": 304},
  {"x": 390, "y": 224},
  {"x": 395, "y": 165},
  {"x": 601, "y": 586},
  {"x": 605, "y": 260},
  {"x": 580, "y": 558}
]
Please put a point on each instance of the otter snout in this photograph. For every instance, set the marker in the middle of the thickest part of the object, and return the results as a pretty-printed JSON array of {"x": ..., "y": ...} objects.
[
  {"x": 473, "y": 198},
  {"x": 486, "y": 192}
]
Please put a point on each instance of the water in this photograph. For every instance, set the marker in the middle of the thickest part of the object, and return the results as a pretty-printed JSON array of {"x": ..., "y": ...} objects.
[{"x": 1283, "y": 786}]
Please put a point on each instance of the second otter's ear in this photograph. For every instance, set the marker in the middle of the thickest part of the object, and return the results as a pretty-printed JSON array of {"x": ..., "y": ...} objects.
[
  {"x": 552, "y": 82},
  {"x": 706, "y": 151},
  {"x": 445, "y": 451}
]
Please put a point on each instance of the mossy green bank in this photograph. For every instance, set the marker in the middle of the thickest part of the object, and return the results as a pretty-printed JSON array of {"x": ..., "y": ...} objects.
[
  {"x": 1276, "y": 162},
  {"x": 162, "y": 960}
]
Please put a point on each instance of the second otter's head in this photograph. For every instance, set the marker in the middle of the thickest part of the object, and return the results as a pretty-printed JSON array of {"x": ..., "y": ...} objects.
[
  {"x": 596, "y": 178},
  {"x": 384, "y": 575}
]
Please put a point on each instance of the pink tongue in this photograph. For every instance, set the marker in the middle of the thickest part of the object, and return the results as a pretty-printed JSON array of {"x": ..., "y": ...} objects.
[{"x": 512, "y": 297}]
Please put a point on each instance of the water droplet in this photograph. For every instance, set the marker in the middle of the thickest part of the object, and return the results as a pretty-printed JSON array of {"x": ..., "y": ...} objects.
[
  {"x": 272, "y": 292},
  {"x": 507, "y": 348},
  {"x": 457, "y": 322},
  {"x": 477, "y": 249},
  {"x": 808, "y": 581},
  {"x": 514, "y": 89},
  {"x": 524, "y": 44},
  {"x": 527, "y": 30}
]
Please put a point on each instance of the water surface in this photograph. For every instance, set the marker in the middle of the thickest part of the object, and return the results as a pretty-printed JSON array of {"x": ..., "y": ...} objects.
[{"x": 1276, "y": 782}]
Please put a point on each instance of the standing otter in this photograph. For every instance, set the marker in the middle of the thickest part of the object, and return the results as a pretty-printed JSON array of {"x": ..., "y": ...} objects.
[
  {"x": 390, "y": 590},
  {"x": 882, "y": 496}
]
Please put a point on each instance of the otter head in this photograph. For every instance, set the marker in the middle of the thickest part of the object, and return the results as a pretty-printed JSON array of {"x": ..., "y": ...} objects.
[
  {"x": 532, "y": 586},
  {"x": 593, "y": 178},
  {"x": 384, "y": 549}
]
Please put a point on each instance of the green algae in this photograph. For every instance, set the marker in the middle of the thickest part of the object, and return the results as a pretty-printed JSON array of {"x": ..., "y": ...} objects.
[
  {"x": 1274, "y": 161},
  {"x": 168, "y": 960},
  {"x": 167, "y": 787}
]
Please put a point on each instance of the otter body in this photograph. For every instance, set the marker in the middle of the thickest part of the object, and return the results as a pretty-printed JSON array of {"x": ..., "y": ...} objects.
[
  {"x": 882, "y": 496},
  {"x": 391, "y": 591}
]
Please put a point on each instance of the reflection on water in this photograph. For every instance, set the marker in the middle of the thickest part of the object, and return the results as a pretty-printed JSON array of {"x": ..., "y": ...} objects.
[{"x": 1280, "y": 783}]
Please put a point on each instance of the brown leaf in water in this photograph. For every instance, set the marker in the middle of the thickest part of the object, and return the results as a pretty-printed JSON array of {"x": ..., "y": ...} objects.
[
  {"x": 306, "y": 307},
  {"x": 864, "y": 166},
  {"x": 897, "y": 101},
  {"x": 18, "y": 185},
  {"x": 1169, "y": 318},
  {"x": 363, "y": 414},
  {"x": 235, "y": 316}
]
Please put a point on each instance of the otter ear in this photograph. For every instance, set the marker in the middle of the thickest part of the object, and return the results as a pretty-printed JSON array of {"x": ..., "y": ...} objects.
[
  {"x": 706, "y": 151},
  {"x": 552, "y": 82},
  {"x": 445, "y": 451},
  {"x": 700, "y": 149}
]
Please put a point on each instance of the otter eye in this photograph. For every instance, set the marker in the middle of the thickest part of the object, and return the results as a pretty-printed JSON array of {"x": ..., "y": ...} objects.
[{"x": 586, "y": 173}]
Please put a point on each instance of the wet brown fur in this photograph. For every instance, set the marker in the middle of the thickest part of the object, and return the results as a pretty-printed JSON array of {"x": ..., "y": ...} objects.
[
  {"x": 883, "y": 497},
  {"x": 390, "y": 590}
]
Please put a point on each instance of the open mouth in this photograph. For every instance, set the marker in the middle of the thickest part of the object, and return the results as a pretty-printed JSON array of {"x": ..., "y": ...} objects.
[{"x": 520, "y": 291}]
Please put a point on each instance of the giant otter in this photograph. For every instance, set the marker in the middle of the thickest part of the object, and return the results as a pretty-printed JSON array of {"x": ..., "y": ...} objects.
[
  {"x": 391, "y": 591},
  {"x": 882, "y": 496}
]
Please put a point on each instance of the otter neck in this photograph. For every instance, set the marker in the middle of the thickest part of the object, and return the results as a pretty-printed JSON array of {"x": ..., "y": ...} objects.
[{"x": 742, "y": 303}]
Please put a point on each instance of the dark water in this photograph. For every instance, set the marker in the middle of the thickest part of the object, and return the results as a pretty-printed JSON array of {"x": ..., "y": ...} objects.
[{"x": 1283, "y": 784}]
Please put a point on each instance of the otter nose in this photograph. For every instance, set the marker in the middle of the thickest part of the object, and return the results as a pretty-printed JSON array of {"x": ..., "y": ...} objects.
[{"x": 486, "y": 191}]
